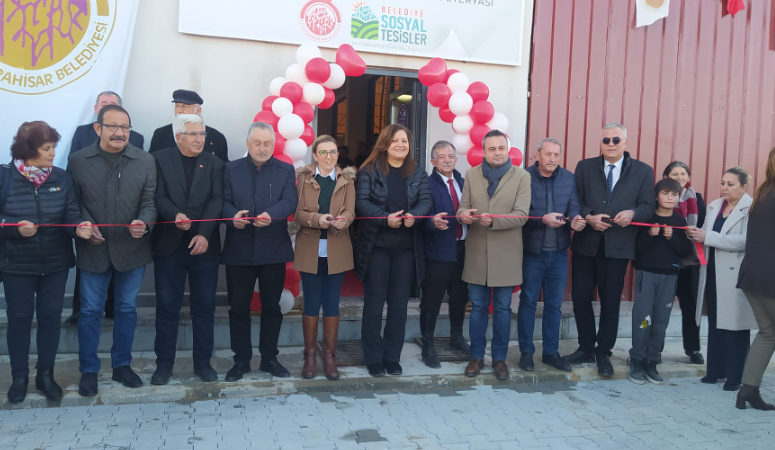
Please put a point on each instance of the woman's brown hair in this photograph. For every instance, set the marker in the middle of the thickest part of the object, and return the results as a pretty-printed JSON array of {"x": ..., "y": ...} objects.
[
  {"x": 30, "y": 137},
  {"x": 323, "y": 138},
  {"x": 769, "y": 178},
  {"x": 381, "y": 147}
]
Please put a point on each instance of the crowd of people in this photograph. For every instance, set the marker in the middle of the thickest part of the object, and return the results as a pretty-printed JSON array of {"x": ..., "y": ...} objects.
[{"x": 473, "y": 238}]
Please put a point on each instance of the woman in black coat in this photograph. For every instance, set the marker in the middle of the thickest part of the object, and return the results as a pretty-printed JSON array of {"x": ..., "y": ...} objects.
[
  {"x": 34, "y": 260},
  {"x": 391, "y": 189}
]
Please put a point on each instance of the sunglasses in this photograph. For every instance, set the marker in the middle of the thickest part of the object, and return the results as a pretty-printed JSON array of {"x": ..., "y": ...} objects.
[{"x": 616, "y": 140}]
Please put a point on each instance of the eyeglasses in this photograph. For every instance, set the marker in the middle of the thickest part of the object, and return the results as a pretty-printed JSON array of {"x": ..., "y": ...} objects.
[
  {"x": 195, "y": 134},
  {"x": 616, "y": 140},
  {"x": 324, "y": 153},
  {"x": 114, "y": 128}
]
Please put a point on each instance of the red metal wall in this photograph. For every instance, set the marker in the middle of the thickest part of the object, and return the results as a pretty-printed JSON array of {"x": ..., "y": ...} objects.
[{"x": 696, "y": 86}]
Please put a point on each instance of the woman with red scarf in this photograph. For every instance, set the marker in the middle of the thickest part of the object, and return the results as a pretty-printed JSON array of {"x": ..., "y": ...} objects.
[{"x": 692, "y": 207}]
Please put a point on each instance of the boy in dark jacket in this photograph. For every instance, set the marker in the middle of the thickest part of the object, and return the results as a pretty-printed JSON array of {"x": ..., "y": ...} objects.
[{"x": 658, "y": 251}]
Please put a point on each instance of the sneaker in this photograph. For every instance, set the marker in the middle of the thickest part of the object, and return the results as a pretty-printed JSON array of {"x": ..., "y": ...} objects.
[
  {"x": 636, "y": 371},
  {"x": 651, "y": 374}
]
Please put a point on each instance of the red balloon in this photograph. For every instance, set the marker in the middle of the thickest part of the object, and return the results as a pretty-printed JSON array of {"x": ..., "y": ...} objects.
[
  {"x": 482, "y": 112},
  {"x": 329, "y": 100},
  {"x": 266, "y": 105},
  {"x": 279, "y": 145},
  {"x": 449, "y": 74},
  {"x": 433, "y": 72},
  {"x": 292, "y": 91},
  {"x": 292, "y": 276},
  {"x": 284, "y": 158},
  {"x": 255, "y": 302},
  {"x": 475, "y": 156},
  {"x": 317, "y": 70},
  {"x": 295, "y": 290},
  {"x": 308, "y": 136},
  {"x": 477, "y": 133},
  {"x": 267, "y": 117},
  {"x": 305, "y": 111},
  {"x": 516, "y": 156},
  {"x": 352, "y": 64},
  {"x": 478, "y": 91},
  {"x": 446, "y": 115},
  {"x": 439, "y": 94}
]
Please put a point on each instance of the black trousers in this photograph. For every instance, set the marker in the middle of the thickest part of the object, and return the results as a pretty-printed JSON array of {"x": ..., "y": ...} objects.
[
  {"x": 240, "y": 282},
  {"x": 686, "y": 291},
  {"x": 608, "y": 275},
  {"x": 726, "y": 349},
  {"x": 110, "y": 304},
  {"x": 446, "y": 277},
  {"x": 389, "y": 278}
]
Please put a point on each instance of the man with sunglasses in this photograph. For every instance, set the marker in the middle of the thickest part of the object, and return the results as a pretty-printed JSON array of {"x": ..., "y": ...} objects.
[
  {"x": 115, "y": 182},
  {"x": 614, "y": 190}
]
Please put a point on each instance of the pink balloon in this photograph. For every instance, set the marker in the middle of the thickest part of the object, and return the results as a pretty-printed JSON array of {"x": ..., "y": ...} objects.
[
  {"x": 267, "y": 117},
  {"x": 308, "y": 136},
  {"x": 279, "y": 145},
  {"x": 433, "y": 72},
  {"x": 348, "y": 59},
  {"x": 317, "y": 70},
  {"x": 305, "y": 111},
  {"x": 329, "y": 100},
  {"x": 449, "y": 74},
  {"x": 478, "y": 91},
  {"x": 478, "y": 132},
  {"x": 482, "y": 112},
  {"x": 446, "y": 115},
  {"x": 516, "y": 156},
  {"x": 439, "y": 94},
  {"x": 292, "y": 91},
  {"x": 266, "y": 105},
  {"x": 475, "y": 156}
]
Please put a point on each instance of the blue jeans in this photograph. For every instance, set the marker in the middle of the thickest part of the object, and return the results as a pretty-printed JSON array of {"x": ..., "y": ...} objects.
[
  {"x": 94, "y": 291},
  {"x": 480, "y": 314},
  {"x": 550, "y": 271},
  {"x": 321, "y": 289},
  {"x": 170, "y": 274}
]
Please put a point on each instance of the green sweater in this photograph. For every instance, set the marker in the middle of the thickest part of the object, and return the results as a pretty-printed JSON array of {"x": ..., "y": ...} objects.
[{"x": 327, "y": 186}]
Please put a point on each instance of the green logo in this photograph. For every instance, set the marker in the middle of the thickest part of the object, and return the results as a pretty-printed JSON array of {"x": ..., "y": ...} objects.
[{"x": 364, "y": 24}]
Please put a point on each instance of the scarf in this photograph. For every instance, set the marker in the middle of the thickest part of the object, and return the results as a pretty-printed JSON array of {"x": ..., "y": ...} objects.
[
  {"x": 687, "y": 205},
  {"x": 35, "y": 175},
  {"x": 494, "y": 175}
]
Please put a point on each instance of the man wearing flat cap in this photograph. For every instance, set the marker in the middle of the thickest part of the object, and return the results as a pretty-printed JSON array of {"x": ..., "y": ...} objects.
[{"x": 189, "y": 102}]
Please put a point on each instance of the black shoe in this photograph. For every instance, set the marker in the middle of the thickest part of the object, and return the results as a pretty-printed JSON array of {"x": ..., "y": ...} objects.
[
  {"x": 162, "y": 375},
  {"x": 44, "y": 382},
  {"x": 126, "y": 376},
  {"x": 376, "y": 369},
  {"x": 731, "y": 387},
  {"x": 579, "y": 357},
  {"x": 239, "y": 369},
  {"x": 556, "y": 361},
  {"x": 604, "y": 366},
  {"x": 18, "y": 390},
  {"x": 205, "y": 372},
  {"x": 429, "y": 355},
  {"x": 393, "y": 368},
  {"x": 526, "y": 362},
  {"x": 651, "y": 374},
  {"x": 458, "y": 342},
  {"x": 73, "y": 319},
  {"x": 635, "y": 373},
  {"x": 696, "y": 358},
  {"x": 275, "y": 368},
  {"x": 87, "y": 387}
]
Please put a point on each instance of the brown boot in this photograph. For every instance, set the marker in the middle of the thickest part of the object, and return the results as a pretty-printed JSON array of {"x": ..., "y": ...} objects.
[
  {"x": 750, "y": 394},
  {"x": 330, "y": 332},
  {"x": 310, "y": 326}
]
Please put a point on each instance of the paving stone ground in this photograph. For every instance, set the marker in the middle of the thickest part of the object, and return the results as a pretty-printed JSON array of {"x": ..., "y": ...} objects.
[{"x": 615, "y": 414}]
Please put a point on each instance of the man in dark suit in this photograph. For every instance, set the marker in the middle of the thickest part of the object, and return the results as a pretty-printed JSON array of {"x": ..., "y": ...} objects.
[
  {"x": 190, "y": 187},
  {"x": 614, "y": 190},
  {"x": 189, "y": 102}
]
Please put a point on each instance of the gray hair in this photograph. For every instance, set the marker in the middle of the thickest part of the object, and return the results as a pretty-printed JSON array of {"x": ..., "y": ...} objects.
[
  {"x": 179, "y": 122},
  {"x": 260, "y": 126},
  {"x": 550, "y": 140},
  {"x": 108, "y": 93},
  {"x": 441, "y": 144},
  {"x": 616, "y": 125}
]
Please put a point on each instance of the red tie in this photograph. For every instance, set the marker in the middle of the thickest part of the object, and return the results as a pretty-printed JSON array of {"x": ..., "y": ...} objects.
[{"x": 455, "y": 206}]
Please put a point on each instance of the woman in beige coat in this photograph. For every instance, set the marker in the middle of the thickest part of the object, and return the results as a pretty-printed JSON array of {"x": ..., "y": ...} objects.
[
  {"x": 323, "y": 248},
  {"x": 730, "y": 318}
]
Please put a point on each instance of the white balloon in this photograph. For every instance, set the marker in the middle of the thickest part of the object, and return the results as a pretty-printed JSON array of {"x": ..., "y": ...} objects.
[
  {"x": 458, "y": 82},
  {"x": 337, "y": 77},
  {"x": 290, "y": 126},
  {"x": 299, "y": 164},
  {"x": 463, "y": 124},
  {"x": 286, "y": 301},
  {"x": 275, "y": 85},
  {"x": 462, "y": 143},
  {"x": 499, "y": 122},
  {"x": 295, "y": 72},
  {"x": 314, "y": 93},
  {"x": 296, "y": 149},
  {"x": 281, "y": 107},
  {"x": 306, "y": 52},
  {"x": 460, "y": 103}
]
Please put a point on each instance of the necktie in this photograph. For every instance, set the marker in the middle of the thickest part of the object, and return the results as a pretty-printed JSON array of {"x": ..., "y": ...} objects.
[
  {"x": 609, "y": 181},
  {"x": 455, "y": 206}
]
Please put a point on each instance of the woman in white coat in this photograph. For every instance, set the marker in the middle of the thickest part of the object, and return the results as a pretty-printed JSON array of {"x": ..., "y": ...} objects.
[{"x": 730, "y": 318}]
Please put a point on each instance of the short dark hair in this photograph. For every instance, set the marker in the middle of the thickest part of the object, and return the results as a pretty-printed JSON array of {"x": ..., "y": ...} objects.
[
  {"x": 30, "y": 137},
  {"x": 109, "y": 108},
  {"x": 673, "y": 165},
  {"x": 495, "y": 133},
  {"x": 669, "y": 185}
]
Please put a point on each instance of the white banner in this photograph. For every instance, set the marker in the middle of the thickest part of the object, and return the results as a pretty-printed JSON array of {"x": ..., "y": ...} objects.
[
  {"x": 487, "y": 31},
  {"x": 55, "y": 57}
]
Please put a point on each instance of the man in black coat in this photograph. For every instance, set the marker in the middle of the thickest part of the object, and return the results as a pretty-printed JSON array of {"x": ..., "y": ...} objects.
[
  {"x": 189, "y": 187},
  {"x": 189, "y": 102},
  {"x": 614, "y": 190}
]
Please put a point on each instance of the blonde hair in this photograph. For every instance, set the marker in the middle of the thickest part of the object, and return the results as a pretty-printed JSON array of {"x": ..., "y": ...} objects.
[{"x": 322, "y": 139}]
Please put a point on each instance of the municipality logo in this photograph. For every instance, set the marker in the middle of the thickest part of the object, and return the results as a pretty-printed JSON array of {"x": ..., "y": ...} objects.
[
  {"x": 364, "y": 23},
  {"x": 45, "y": 45}
]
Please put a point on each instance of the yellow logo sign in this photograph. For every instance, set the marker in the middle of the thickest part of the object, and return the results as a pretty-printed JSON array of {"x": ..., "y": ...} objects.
[{"x": 45, "y": 45}]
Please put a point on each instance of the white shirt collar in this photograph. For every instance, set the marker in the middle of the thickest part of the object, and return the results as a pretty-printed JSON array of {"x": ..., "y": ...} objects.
[
  {"x": 445, "y": 178},
  {"x": 331, "y": 175},
  {"x": 617, "y": 164}
]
